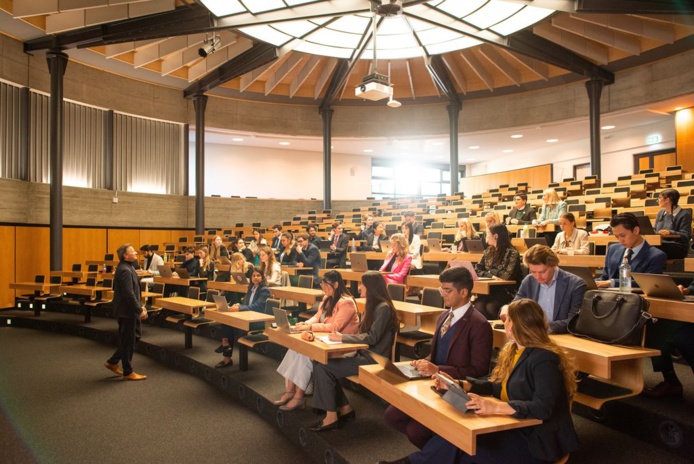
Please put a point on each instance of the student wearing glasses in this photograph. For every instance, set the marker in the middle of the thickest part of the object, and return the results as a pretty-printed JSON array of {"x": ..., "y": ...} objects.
[
  {"x": 336, "y": 313},
  {"x": 673, "y": 220},
  {"x": 308, "y": 255},
  {"x": 522, "y": 212}
]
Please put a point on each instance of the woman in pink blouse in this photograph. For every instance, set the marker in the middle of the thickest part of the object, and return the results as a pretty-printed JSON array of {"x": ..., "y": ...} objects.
[{"x": 398, "y": 260}]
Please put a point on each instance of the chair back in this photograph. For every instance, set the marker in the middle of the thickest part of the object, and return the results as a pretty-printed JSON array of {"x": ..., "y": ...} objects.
[
  {"x": 158, "y": 288},
  {"x": 432, "y": 297},
  {"x": 396, "y": 291},
  {"x": 212, "y": 292},
  {"x": 271, "y": 304},
  {"x": 194, "y": 293},
  {"x": 306, "y": 281}
]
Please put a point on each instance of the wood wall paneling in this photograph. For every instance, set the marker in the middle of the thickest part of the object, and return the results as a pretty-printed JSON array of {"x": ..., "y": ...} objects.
[
  {"x": 155, "y": 237},
  {"x": 81, "y": 245},
  {"x": 7, "y": 238},
  {"x": 537, "y": 177},
  {"x": 684, "y": 125},
  {"x": 32, "y": 252},
  {"x": 117, "y": 237}
]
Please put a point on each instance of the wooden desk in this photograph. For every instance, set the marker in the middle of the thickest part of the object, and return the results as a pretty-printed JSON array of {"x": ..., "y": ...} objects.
[
  {"x": 482, "y": 287},
  {"x": 305, "y": 296},
  {"x": 37, "y": 289},
  {"x": 316, "y": 350},
  {"x": 604, "y": 239},
  {"x": 240, "y": 320},
  {"x": 688, "y": 264},
  {"x": 188, "y": 307},
  {"x": 446, "y": 256},
  {"x": 178, "y": 281},
  {"x": 670, "y": 309},
  {"x": 91, "y": 292},
  {"x": 76, "y": 276},
  {"x": 295, "y": 270},
  {"x": 416, "y": 399},
  {"x": 102, "y": 263},
  {"x": 411, "y": 314},
  {"x": 591, "y": 261},
  {"x": 620, "y": 366},
  {"x": 228, "y": 286}
]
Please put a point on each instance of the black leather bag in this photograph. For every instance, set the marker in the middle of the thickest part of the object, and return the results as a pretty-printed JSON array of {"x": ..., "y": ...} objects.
[{"x": 610, "y": 317}]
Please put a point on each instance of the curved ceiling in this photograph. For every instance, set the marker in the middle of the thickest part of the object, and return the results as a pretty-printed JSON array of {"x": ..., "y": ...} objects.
[{"x": 158, "y": 40}]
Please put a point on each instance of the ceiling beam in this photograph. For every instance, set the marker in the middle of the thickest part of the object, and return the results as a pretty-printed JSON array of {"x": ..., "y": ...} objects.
[
  {"x": 282, "y": 71},
  {"x": 592, "y": 50},
  {"x": 336, "y": 83},
  {"x": 409, "y": 76},
  {"x": 456, "y": 72},
  {"x": 323, "y": 78},
  {"x": 493, "y": 55},
  {"x": 660, "y": 31},
  {"x": 257, "y": 56},
  {"x": 437, "y": 71},
  {"x": 597, "y": 33},
  {"x": 477, "y": 68},
  {"x": 303, "y": 74},
  {"x": 681, "y": 7},
  {"x": 218, "y": 58},
  {"x": 539, "y": 68}
]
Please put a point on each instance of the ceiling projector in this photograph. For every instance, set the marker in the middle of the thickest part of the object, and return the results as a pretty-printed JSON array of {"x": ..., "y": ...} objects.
[{"x": 374, "y": 87}]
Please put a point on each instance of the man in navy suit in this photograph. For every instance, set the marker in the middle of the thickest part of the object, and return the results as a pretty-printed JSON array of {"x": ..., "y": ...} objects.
[
  {"x": 337, "y": 256},
  {"x": 641, "y": 256},
  {"x": 308, "y": 254},
  {"x": 558, "y": 292}
]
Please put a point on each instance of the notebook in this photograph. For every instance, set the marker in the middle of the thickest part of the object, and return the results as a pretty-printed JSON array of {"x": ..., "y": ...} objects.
[
  {"x": 324, "y": 245},
  {"x": 282, "y": 321},
  {"x": 221, "y": 303},
  {"x": 474, "y": 246},
  {"x": 660, "y": 286},
  {"x": 402, "y": 369},
  {"x": 239, "y": 278},
  {"x": 165, "y": 270},
  {"x": 358, "y": 262}
]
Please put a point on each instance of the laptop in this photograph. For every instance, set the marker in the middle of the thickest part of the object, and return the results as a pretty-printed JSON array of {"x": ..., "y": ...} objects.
[
  {"x": 239, "y": 278},
  {"x": 660, "y": 286},
  {"x": 434, "y": 244},
  {"x": 645, "y": 226},
  {"x": 221, "y": 303},
  {"x": 165, "y": 270},
  {"x": 282, "y": 321},
  {"x": 467, "y": 265},
  {"x": 324, "y": 245},
  {"x": 584, "y": 273},
  {"x": 386, "y": 245},
  {"x": 401, "y": 369},
  {"x": 182, "y": 273},
  {"x": 530, "y": 242},
  {"x": 474, "y": 246},
  {"x": 358, "y": 262}
]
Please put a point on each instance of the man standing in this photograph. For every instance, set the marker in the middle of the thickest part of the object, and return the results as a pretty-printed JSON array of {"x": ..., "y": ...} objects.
[
  {"x": 128, "y": 310},
  {"x": 417, "y": 228},
  {"x": 558, "y": 292},
  {"x": 522, "y": 212},
  {"x": 308, "y": 254},
  {"x": 461, "y": 347}
]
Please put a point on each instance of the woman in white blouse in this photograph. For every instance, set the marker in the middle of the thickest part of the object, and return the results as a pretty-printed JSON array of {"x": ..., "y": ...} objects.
[
  {"x": 570, "y": 240},
  {"x": 270, "y": 267},
  {"x": 415, "y": 244}
]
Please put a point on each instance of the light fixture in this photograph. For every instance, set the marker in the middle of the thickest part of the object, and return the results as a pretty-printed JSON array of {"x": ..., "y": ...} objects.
[
  {"x": 392, "y": 103},
  {"x": 367, "y": 150},
  {"x": 284, "y": 143},
  {"x": 607, "y": 127},
  {"x": 474, "y": 147},
  {"x": 210, "y": 46},
  {"x": 552, "y": 140},
  {"x": 507, "y": 151},
  {"x": 237, "y": 139},
  {"x": 517, "y": 136}
]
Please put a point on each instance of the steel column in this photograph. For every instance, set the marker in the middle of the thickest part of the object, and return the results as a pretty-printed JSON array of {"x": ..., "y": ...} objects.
[
  {"x": 200, "y": 103},
  {"x": 594, "y": 87},
  {"x": 327, "y": 115}
]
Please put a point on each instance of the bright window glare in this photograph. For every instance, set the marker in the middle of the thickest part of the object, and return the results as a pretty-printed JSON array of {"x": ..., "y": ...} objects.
[
  {"x": 268, "y": 34},
  {"x": 224, "y": 7},
  {"x": 258, "y": 6},
  {"x": 524, "y": 18},
  {"x": 492, "y": 13}
]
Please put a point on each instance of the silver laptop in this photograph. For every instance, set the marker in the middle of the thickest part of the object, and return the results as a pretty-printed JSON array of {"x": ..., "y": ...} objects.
[
  {"x": 221, "y": 303},
  {"x": 239, "y": 278},
  {"x": 660, "y": 286},
  {"x": 282, "y": 321},
  {"x": 434, "y": 244},
  {"x": 386, "y": 245},
  {"x": 165, "y": 270},
  {"x": 584, "y": 273},
  {"x": 531, "y": 242},
  {"x": 468, "y": 265},
  {"x": 474, "y": 246},
  {"x": 358, "y": 262},
  {"x": 402, "y": 369},
  {"x": 182, "y": 273}
]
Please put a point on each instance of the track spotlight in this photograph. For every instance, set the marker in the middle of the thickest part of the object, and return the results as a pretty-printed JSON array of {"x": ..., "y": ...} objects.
[{"x": 210, "y": 46}]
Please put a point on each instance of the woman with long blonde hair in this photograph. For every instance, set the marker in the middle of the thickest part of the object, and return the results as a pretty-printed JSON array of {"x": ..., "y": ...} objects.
[
  {"x": 552, "y": 208},
  {"x": 466, "y": 231},
  {"x": 272, "y": 271},
  {"x": 218, "y": 249},
  {"x": 398, "y": 260}
]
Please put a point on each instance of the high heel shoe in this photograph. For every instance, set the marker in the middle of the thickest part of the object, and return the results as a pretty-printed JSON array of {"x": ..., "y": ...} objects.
[
  {"x": 300, "y": 403},
  {"x": 282, "y": 402}
]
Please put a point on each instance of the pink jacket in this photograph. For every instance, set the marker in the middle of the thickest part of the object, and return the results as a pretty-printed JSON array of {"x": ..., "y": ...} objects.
[
  {"x": 399, "y": 271},
  {"x": 344, "y": 318}
]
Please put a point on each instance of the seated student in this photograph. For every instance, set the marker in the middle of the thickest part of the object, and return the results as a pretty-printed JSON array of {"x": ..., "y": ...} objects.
[
  {"x": 398, "y": 260},
  {"x": 534, "y": 378},
  {"x": 218, "y": 250},
  {"x": 239, "y": 264},
  {"x": 336, "y": 313},
  {"x": 255, "y": 299},
  {"x": 312, "y": 231},
  {"x": 367, "y": 229},
  {"x": 465, "y": 231},
  {"x": 308, "y": 254},
  {"x": 522, "y": 212},
  {"x": 255, "y": 243},
  {"x": 373, "y": 240},
  {"x": 490, "y": 219},
  {"x": 414, "y": 246},
  {"x": 667, "y": 335},
  {"x": 337, "y": 256},
  {"x": 191, "y": 264},
  {"x": 377, "y": 329},
  {"x": 206, "y": 267},
  {"x": 570, "y": 239},
  {"x": 287, "y": 255},
  {"x": 559, "y": 293},
  {"x": 240, "y": 247},
  {"x": 552, "y": 208},
  {"x": 673, "y": 220},
  {"x": 461, "y": 347},
  {"x": 417, "y": 227},
  {"x": 276, "y": 237},
  {"x": 272, "y": 271},
  {"x": 152, "y": 260},
  {"x": 631, "y": 247},
  {"x": 500, "y": 259}
]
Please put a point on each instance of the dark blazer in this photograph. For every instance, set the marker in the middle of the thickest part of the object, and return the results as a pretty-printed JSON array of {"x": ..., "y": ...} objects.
[
  {"x": 311, "y": 258},
  {"x": 536, "y": 390},
  {"x": 261, "y": 295},
  {"x": 288, "y": 258},
  {"x": 368, "y": 246},
  {"x": 276, "y": 243},
  {"x": 126, "y": 292},
  {"x": 192, "y": 266},
  {"x": 650, "y": 260},
  {"x": 380, "y": 337},
  {"x": 470, "y": 351},
  {"x": 528, "y": 214},
  {"x": 338, "y": 258},
  {"x": 567, "y": 297},
  {"x": 681, "y": 225}
]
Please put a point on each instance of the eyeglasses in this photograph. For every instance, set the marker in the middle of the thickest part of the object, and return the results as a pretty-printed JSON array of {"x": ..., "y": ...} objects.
[{"x": 445, "y": 291}]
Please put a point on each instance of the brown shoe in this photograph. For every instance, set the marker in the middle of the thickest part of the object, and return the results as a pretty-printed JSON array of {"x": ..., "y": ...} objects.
[
  {"x": 134, "y": 376},
  {"x": 663, "y": 390},
  {"x": 113, "y": 368}
]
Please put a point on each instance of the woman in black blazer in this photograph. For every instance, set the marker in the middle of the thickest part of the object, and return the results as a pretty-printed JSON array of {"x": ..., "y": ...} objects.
[{"x": 534, "y": 378}]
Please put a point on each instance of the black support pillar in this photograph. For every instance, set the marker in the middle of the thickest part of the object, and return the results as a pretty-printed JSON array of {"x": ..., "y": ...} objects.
[
  {"x": 57, "y": 63},
  {"x": 327, "y": 115},
  {"x": 594, "y": 87},
  {"x": 199, "y": 102},
  {"x": 108, "y": 150},
  {"x": 453, "y": 113}
]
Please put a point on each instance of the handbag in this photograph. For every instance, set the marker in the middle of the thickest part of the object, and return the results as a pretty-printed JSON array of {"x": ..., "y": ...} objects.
[{"x": 610, "y": 317}]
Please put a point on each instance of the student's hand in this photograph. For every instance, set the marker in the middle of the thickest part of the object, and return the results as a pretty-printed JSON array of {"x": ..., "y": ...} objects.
[
  {"x": 298, "y": 249},
  {"x": 302, "y": 326},
  {"x": 485, "y": 404},
  {"x": 514, "y": 221},
  {"x": 299, "y": 264},
  {"x": 174, "y": 274},
  {"x": 603, "y": 283},
  {"x": 664, "y": 232},
  {"x": 234, "y": 307},
  {"x": 439, "y": 384},
  {"x": 335, "y": 336},
  {"x": 504, "y": 313},
  {"x": 308, "y": 336},
  {"x": 425, "y": 367},
  {"x": 683, "y": 289},
  {"x": 143, "y": 314}
]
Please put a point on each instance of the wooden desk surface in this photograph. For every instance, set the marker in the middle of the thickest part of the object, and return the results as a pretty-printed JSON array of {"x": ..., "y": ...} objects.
[
  {"x": 228, "y": 286},
  {"x": 42, "y": 287},
  {"x": 177, "y": 280},
  {"x": 82, "y": 275},
  {"x": 671, "y": 309},
  {"x": 604, "y": 239},
  {"x": 300, "y": 294},
  {"x": 184, "y": 305},
  {"x": 411, "y": 313},
  {"x": 416, "y": 399},
  {"x": 82, "y": 290},
  {"x": 316, "y": 350},
  {"x": 688, "y": 264},
  {"x": 446, "y": 256},
  {"x": 239, "y": 319},
  {"x": 592, "y": 261},
  {"x": 348, "y": 275},
  {"x": 102, "y": 262},
  {"x": 482, "y": 287},
  {"x": 295, "y": 270}
]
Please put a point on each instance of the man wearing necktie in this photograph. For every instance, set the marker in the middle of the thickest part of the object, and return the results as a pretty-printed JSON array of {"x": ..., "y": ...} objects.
[
  {"x": 337, "y": 256},
  {"x": 641, "y": 256},
  {"x": 461, "y": 346}
]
